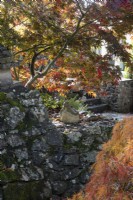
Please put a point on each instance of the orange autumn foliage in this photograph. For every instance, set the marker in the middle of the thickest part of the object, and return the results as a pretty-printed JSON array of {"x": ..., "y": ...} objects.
[{"x": 112, "y": 178}]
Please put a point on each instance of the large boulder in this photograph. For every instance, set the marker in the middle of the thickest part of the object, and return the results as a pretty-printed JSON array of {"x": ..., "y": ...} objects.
[{"x": 68, "y": 114}]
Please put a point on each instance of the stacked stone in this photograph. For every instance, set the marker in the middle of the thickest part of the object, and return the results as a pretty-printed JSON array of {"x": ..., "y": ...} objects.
[
  {"x": 39, "y": 159},
  {"x": 125, "y": 96},
  {"x": 6, "y": 62},
  {"x": 120, "y": 97},
  {"x": 111, "y": 96},
  {"x": 5, "y": 58}
]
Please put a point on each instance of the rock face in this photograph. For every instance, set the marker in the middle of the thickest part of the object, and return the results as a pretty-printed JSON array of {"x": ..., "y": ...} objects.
[
  {"x": 69, "y": 114},
  {"x": 41, "y": 160}
]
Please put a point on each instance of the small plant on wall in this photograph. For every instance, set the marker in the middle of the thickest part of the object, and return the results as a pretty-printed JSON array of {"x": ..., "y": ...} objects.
[{"x": 51, "y": 102}]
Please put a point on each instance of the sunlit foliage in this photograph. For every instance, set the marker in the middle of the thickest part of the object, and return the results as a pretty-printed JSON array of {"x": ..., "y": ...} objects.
[{"x": 59, "y": 39}]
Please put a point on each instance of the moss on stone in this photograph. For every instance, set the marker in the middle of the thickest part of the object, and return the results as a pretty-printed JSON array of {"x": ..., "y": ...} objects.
[
  {"x": 24, "y": 191},
  {"x": 8, "y": 175},
  {"x": 4, "y": 98},
  {"x": 26, "y": 124},
  {"x": 1, "y": 165},
  {"x": 21, "y": 126},
  {"x": 16, "y": 103},
  {"x": 77, "y": 144}
]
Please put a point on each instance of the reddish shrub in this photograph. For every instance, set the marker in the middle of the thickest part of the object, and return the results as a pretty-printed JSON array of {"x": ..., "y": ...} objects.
[{"x": 112, "y": 177}]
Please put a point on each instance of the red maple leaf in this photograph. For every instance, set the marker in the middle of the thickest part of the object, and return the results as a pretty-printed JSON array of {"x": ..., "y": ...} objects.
[{"x": 99, "y": 71}]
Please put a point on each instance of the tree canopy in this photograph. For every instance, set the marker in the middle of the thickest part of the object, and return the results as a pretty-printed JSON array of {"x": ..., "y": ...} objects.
[{"x": 59, "y": 39}]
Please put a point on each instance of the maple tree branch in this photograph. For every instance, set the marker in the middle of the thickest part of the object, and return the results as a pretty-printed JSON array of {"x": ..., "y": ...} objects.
[
  {"x": 54, "y": 26},
  {"x": 64, "y": 47},
  {"x": 37, "y": 46},
  {"x": 32, "y": 66},
  {"x": 48, "y": 67},
  {"x": 31, "y": 48},
  {"x": 79, "y": 6}
]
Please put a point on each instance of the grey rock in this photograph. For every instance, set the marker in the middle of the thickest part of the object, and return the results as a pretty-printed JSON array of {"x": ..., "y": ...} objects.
[
  {"x": 99, "y": 140},
  {"x": 47, "y": 191},
  {"x": 6, "y": 107},
  {"x": 58, "y": 156},
  {"x": 15, "y": 117},
  {"x": 59, "y": 187},
  {"x": 69, "y": 114},
  {"x": 75, "y": 181},
  {"x": 21, "y": 154},
  {"x": 12, "y": 132},
  {"x": 35, "y": 132},
  {"x": 40, "y": 113},
  {"x": 2, "y": 144},
  {"x": 33, "y": 94},
  {"x": 71, "y": 159},
  {"x": 84, "y": 177},
  {"x": 74, "y": 136},
  {"x": 30, "y": 102},
  {"x": 55, "y": 197},
  {"x": 90, "y": 156},
  {"x": 67, "y": 175},
  {"x": 52, "y": 165},
  {"x": 72, "y": 187},
  {"x": 1, "y": 194},
  {"x": 2, "y": 135},
  {"x": 15, "y": 141},
  {"x": 54, "y": 138},
  {"x": 92, "y": 130},
  {"x": 88, "y": 141},
  {"x": 29, "y": 174},
  {"x": 39, "y": 157},
  {"x": 39, "y": 145},
  {"x": 1, "y": 113}
]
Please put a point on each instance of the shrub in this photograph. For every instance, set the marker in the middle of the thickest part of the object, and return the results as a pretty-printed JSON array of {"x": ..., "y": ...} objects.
[
  {"x": 77, "y": 104},
  {"x": 52, "y": 102},
  {"x": 113, "y": 171},
  {"x": 112, "y": 177}
]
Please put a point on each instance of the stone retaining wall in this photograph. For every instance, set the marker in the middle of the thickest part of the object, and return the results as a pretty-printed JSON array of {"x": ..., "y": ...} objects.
[
  {"x": 41, "y": 160},
  {"x": 125, "y": 96},
  {"x": 111, "y": 96},
  {"x": 119, "y": 97}
]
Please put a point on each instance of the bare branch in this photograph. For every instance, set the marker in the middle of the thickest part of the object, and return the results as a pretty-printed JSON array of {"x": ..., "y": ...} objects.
[
  {"x": 32, "y": 48},
  {"x": 79, "y": 7}
]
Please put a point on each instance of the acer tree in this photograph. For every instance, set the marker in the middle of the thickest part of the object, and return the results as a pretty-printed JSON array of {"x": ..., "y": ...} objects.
[
  {"x": 58, "y": 39},
  {"x": 112, "y": 176}
]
